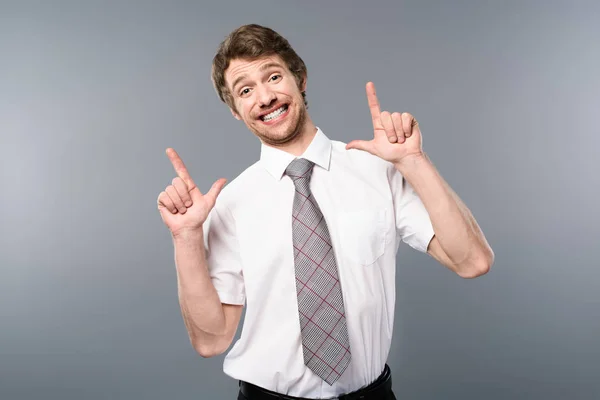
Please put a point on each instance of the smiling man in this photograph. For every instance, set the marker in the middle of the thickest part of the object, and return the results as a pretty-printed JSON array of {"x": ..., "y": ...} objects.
[{"x": 306, "y": 238}]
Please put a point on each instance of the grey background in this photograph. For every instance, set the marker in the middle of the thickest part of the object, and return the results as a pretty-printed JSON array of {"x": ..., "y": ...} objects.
[{"x": 91, "y": 94}]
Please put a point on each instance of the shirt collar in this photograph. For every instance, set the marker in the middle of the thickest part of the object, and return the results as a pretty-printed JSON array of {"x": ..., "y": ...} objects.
[{"x": 276, "y": 161}]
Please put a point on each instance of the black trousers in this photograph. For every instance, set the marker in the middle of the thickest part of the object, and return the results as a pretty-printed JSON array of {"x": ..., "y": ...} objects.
[
  {"x": 388, "y": 396},
  {"x": 381, "y": 389}
]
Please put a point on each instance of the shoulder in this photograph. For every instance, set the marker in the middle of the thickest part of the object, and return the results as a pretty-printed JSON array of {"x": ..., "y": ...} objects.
[
  {"x": 360, "y": 162},
  {"x": 242, "y": 186}
]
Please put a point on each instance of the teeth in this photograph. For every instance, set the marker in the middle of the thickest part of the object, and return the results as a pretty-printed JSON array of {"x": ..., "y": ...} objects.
[{"x": 274, "y": 114}]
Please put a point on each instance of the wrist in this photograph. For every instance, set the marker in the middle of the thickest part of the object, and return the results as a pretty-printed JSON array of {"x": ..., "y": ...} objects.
[
  {"x": 188, "y": 234},
  {"x": 411, "y": 162}
]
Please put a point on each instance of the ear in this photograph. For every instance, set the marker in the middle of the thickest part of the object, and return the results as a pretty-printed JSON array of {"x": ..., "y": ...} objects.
[
  {"x": 235, "y": 115},
  {"x": 303, "y": 84}
]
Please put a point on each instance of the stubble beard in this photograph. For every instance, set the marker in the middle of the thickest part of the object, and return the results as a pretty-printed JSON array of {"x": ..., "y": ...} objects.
[{"x": 291, "y": 135}]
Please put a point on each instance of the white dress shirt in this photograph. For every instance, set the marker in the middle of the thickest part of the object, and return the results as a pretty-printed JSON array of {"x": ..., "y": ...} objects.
[{"x": 369, "y": 208}]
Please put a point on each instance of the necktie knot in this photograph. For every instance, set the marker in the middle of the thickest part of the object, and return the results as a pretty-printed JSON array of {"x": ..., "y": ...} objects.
[{"x": 300, "y": 168}]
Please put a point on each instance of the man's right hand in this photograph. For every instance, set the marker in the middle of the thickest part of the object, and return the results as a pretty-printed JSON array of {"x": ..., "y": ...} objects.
[{"x": 183, "y": 208}]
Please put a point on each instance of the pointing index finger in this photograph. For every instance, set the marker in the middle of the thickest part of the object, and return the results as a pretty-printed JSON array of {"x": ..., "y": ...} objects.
[
  {"x": 180, "y": 168},
  {"x": 374, "y": 106}
]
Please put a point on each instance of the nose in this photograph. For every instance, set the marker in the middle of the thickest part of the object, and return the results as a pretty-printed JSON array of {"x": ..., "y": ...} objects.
[{"x": 265, "y": 95}]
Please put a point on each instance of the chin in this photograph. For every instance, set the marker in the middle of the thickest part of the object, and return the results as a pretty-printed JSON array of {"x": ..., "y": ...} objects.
[
  {"x": 278, "y": 139},
  {"x": 281, "y": 134}
]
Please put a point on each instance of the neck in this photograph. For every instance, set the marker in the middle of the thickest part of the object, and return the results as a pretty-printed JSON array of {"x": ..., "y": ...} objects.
[{"x": 299, "y": 145}]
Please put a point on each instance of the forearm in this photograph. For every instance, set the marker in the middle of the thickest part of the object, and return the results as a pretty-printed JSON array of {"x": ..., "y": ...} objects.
[
  {"x": 456, "y": 230},
  {"x": 201, "y": 307}
]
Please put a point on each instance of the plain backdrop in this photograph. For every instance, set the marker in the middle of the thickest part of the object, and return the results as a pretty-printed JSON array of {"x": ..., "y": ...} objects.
[{"x": 92, "y": 92}]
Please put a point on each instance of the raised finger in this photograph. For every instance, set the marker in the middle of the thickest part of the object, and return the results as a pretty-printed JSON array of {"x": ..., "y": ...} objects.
[
  {"x": 172, "y": 192},
  {"x": 165, "y": 201},
  {"x": 388, "y": 125},
  {"x": 397, "y": 120},
  {"x": 183, "y": 191},
  {"x": 180, "y": 168},
  {"x": 374, "y": 106}
]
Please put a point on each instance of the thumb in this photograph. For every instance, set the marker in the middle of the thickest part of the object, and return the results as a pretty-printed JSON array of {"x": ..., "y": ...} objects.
[
  {"x": 214, "y": 191},
  {"x": 364, "y": 145}
]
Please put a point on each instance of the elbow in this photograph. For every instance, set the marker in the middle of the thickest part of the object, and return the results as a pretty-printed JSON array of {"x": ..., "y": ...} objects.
[
  {"x": 474, "y": 271},
  {"x": 207, "y": 351},
  {"x": 205, "y": 354},
  {"x": 479, "y": 267}
]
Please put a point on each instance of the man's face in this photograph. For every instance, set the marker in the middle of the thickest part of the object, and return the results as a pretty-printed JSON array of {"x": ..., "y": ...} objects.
[{"x": 267, "y": 98}]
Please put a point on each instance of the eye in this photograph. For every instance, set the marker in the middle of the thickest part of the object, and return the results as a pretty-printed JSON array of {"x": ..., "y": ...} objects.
[
  {"x": 275, "y": 77},
  {"x": 245, "y": 91}
]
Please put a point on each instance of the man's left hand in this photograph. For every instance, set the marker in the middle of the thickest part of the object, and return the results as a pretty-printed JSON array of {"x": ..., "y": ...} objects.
[{"x": 396, "y": 136}]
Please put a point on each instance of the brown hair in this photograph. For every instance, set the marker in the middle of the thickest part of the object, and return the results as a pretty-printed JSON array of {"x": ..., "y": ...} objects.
[{"x": 250, "y": 42}]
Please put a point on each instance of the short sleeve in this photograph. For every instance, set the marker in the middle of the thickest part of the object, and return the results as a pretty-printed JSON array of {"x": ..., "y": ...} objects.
[
  {"x": 413, "y": 224},
  {"x": 223, "y": 256}
]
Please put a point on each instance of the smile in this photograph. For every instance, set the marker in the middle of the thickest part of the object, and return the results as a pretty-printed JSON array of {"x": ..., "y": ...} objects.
[{"x": 273, "y": 115}]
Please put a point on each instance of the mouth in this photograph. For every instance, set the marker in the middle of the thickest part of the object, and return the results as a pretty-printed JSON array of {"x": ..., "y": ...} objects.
[{"x": 276, "y": 114}]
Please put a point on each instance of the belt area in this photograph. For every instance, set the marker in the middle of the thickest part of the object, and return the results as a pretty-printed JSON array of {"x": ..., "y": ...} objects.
[{"x": 378, "y": 389}]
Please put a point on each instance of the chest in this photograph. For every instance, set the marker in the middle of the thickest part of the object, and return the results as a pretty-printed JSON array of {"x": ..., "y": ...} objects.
[{"x": 359, "y": 218}]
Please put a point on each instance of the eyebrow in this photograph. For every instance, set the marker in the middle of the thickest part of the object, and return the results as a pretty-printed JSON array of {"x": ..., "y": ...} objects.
[{"x": 261, "y": 69}]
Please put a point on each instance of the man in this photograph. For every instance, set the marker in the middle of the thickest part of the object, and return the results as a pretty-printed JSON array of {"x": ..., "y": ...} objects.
[{"x": 307, "y": 237}]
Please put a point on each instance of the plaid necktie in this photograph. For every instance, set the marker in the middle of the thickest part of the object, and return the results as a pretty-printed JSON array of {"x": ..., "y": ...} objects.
[{"x": 325, "y": 342}]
